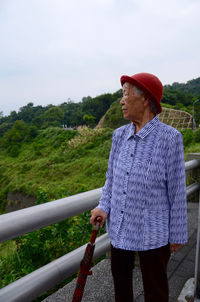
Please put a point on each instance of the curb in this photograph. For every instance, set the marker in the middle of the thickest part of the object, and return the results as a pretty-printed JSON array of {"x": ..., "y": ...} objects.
[{"x": 187, "y": 293}]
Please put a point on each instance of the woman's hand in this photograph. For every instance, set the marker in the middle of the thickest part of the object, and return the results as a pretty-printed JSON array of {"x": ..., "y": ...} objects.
[{"x": 98, "y": 213}]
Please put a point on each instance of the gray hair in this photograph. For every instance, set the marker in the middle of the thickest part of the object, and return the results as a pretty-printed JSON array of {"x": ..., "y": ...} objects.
[
  {"x": 153, "y": 107},
  {"x": 138, "y": 91},
  {"x": 151, "y": 104}
]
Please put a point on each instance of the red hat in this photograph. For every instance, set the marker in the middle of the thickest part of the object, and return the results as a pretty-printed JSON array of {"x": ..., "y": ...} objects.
[{"x": 149, "y": 84}]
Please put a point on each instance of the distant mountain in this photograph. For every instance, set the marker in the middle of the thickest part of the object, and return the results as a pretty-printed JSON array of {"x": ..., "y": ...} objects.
[{"x": 191, "y": 87}]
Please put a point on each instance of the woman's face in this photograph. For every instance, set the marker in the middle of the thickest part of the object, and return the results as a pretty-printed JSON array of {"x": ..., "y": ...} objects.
[{"x": 132, "y": 103}]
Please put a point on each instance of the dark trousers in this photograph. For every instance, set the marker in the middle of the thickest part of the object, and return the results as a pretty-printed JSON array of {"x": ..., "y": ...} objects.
[{"x": 153, "y": 265}]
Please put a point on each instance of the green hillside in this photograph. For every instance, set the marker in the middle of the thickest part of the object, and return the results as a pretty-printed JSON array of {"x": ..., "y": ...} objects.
[
  {"x": 70, "y": 161},
  {"x": 113, "y": 117}
]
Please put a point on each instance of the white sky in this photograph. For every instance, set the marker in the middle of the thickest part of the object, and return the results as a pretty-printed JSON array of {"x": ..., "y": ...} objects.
[{"x": 52, "y": 50}]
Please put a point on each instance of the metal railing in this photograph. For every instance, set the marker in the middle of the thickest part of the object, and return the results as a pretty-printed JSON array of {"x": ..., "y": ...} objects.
[{"x": 27, "y": 220}]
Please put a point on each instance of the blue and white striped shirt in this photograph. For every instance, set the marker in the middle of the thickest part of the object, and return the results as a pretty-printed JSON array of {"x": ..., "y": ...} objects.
[{"x": 145, "y": 192}]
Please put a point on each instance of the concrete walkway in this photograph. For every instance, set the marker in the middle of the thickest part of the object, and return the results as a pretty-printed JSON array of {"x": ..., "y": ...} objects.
[{"x": 99, "y": 286}]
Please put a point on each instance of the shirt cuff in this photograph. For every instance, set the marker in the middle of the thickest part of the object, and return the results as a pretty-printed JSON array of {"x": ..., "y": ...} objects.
[{"x": 105, "y": 209}]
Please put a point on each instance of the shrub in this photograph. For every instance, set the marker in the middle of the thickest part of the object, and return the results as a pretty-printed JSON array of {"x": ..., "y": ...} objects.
[
  {"x": 14, "y": 150},
  {"x": 187, "y": 136},
  {"x": 32, "y": 132},
  {"x": 197, "y": 136}
]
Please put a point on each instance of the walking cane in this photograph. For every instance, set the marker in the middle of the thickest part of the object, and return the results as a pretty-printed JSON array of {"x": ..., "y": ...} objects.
[{"x": 86, "y": 264}]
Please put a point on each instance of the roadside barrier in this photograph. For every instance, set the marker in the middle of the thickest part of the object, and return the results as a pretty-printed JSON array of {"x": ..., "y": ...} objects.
[{"x": 27, "y": 220}]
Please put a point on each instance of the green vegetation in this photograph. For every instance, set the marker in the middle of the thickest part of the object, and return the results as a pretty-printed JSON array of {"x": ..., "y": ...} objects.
[
  {"x": 65, "y": 159},
  {"x": 87, "y": 112},
  {"x": 113, "y": 117},
  {"x": 182, "y": 95},
  {"x": 191, "y": 141},
  {"x": 192, "y": 87}
]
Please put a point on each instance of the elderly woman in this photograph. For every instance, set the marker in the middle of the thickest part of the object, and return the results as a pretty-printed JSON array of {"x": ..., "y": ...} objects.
[{"x": 144, "y": 196}]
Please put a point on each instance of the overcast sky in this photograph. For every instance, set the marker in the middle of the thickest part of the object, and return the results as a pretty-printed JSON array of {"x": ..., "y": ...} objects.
[{"x": 52, "y": 50}]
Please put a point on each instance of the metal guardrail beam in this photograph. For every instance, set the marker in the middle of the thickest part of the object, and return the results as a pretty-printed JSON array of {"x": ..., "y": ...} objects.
[
  {"x": 192, "y": 164},
  {"x": 27, "y": 220},
  {"x": 195, "y": 187},
  {"x": 34, "y": 284}
]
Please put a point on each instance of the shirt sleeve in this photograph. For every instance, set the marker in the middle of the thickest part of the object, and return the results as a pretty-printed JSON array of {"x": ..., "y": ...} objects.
[
  {"x": 177, "y": 191},
  {"x": 104, "y": 202}
]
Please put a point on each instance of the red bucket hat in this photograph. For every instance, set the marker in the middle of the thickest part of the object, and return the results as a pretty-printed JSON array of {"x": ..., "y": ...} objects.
[{"x": 149, "y": 84}]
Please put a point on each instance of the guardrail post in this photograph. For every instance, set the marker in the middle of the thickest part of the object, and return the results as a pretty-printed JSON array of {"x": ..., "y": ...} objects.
[{"x": 197, "y": 261}]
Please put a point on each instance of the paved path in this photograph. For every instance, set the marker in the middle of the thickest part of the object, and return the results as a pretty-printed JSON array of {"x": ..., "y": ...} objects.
[{"x": 99, "y": 286}]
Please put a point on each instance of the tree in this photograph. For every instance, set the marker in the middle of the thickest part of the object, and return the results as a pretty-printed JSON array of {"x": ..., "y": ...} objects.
[
  {"x": 5, "y": 127},
  {"x": 97, "y": 106},
  {"x": 89, "y": 119},
  {"x": 13, "y": 138},
  {"x": 73, "y": 115},
  {"x": 86, "y": 98},
  {"x": 13, "y": 116},
  {"x": 53, "y": 117},
  {"x": 32, "y": 132},
  {"x": 16, "y": 134},
  {"x": 20, "y": 132}
]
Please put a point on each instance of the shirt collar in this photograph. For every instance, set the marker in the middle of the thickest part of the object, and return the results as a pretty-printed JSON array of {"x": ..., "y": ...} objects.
[{"x": 145, "y": 130}]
